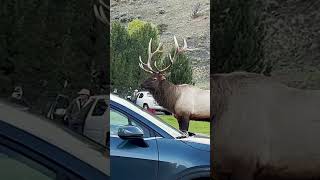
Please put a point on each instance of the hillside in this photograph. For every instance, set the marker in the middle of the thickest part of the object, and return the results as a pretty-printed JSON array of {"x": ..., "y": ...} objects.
[
  {"x": 175, "y": 18},
  {"x": 292, "y": 40}
]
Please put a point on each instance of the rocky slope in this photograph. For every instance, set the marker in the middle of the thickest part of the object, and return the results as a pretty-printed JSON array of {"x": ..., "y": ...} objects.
[{"x": 175, "y": 18}]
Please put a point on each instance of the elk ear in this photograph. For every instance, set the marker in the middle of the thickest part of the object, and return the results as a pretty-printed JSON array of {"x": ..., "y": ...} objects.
[{"x": 162, "y": 77}]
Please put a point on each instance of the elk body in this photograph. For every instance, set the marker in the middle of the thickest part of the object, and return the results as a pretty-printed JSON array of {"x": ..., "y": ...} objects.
[
  {"x": 185, "y": 101},
  {"x": 264, "y": 129}
]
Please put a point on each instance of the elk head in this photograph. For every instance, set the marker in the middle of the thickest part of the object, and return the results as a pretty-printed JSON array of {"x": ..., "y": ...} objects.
[{"x": 158, "y": 75}]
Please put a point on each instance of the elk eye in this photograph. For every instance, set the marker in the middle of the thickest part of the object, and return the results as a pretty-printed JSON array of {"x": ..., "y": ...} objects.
[{"x": 154, "y": 79}]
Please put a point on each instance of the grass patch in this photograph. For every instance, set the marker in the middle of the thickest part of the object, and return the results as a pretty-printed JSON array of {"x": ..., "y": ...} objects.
[{"x": 194, "y": 126}]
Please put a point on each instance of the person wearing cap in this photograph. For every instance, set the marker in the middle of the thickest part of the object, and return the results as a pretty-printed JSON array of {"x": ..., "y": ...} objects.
[
  {"x": 76, "y": 109},
  {"x": 134, "y": 96}
]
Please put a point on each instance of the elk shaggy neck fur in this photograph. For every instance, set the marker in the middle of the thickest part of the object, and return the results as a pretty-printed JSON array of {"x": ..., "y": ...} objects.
[
  {"x": 225, "y": 85},
  {"x": 166, "y": 95}
]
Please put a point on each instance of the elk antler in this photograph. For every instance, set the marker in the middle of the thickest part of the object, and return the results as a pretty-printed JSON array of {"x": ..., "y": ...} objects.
[
  {"x": 176, "y": 52},
  {"x": 147, "y": 66},
  {"x": 99, "y": 12}
]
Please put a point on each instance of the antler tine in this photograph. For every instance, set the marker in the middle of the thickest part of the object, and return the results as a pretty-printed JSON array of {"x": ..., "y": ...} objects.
[
  {"x": 99, "y": 12},
  {"x": 147, "y": 66},
  {"x": 157, "y": 50},
  {"x": 150, "y": 55},
  {"x": 176, "y": 52},
  {"x": 176, "y": 42},
  {"x": 101, "y": 2},
  {"x": 141, "y": 66},
  {"x": 185, "y": 46}
]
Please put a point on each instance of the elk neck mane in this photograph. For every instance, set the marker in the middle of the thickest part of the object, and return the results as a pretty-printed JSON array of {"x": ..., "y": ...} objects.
[
  {"x": 166, "y": 95},
  {"x": 225, "y": 85}
]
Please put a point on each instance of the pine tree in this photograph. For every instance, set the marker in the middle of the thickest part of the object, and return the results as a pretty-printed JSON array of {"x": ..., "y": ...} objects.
[
  {"x": 181, "y": 71},
  {"x": 238, "y": 36}
]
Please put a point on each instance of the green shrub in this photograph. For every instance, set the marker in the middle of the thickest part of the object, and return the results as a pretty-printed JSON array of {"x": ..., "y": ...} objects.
[{"x": 238, "y": 37}]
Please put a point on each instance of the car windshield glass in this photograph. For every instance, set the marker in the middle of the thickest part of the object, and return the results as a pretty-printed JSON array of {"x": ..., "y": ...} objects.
[{"x": 154, "y": 119}]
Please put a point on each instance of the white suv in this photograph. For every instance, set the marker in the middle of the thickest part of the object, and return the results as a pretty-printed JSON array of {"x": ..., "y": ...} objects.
[
  {"x": 96, "y": 123},
  {"x": 146, "y": 100}
]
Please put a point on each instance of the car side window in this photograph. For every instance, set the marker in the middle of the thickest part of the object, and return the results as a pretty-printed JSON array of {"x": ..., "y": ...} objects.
[
  {"x": 17, "y": 166},
  {"x": 141, "y": 95},
  {"x": 118, "y": 119},
  {"x": 100, "y": 108}
]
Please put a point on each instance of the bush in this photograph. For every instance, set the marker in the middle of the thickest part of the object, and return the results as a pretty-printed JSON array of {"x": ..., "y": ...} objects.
[
  {"x": 238, "y": 37},
  {"x": 126, "y": 46},
  {"x": 181, "y": 71}
]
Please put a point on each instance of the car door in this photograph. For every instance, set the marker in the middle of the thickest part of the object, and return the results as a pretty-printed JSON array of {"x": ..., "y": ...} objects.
[
  {"x": 129, "y": 159},
  {"x": 96, "y": 124},
  {"x": 139, "y": 100}
]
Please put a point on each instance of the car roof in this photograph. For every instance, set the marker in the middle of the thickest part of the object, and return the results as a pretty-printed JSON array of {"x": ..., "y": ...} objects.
[
  {"x": 100, "y": 96},
  {"x": 44, "y": 129},
  {"x": 143, "y": 92}
]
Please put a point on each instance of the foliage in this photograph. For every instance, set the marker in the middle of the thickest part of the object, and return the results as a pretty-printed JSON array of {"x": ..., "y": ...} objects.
[
  {"x": 125, "y": 51},
  {"x": 181, "y": 71},
  {"x": 238, "y": 34},
  {"x": 43, "y": 43},
  {"x": 135, "y": 25}
]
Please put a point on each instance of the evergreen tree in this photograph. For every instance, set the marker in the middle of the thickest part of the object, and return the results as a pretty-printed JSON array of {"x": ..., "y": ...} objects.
[
  {"x": 49, "y": 41},
  {"x": 181, "y": 71},
  {"x": 126, "y": 47},
  {"x": 238, "y": 36}
]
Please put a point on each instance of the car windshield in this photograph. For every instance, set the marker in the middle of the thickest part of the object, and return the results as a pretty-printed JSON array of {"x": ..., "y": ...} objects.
[{"x": 152, "y": 118}]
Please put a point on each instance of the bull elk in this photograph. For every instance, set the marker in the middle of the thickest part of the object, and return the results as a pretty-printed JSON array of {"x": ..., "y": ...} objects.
[
  {"x": 263, "y": 129},
  {"x": 185, "y": 101}
]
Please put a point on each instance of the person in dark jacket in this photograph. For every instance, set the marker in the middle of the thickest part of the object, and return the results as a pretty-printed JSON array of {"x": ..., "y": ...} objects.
[{"x": 74, "y": 112}]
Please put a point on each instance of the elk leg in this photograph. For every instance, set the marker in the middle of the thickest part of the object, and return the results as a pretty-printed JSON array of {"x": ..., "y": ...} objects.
[
  {"x": 183, "y": 123},
  {"x": 180, "y": 123}
]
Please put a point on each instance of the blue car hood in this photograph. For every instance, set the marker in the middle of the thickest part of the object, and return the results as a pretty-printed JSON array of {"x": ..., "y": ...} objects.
[{"x": 198, "y": 141}]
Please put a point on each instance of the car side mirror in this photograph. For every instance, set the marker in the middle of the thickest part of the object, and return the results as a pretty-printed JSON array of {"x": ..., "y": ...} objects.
[{"x": 130, "y": 132}]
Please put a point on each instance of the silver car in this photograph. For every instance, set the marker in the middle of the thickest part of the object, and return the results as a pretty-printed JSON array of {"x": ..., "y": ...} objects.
[{"x": 144, "y": 147}]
